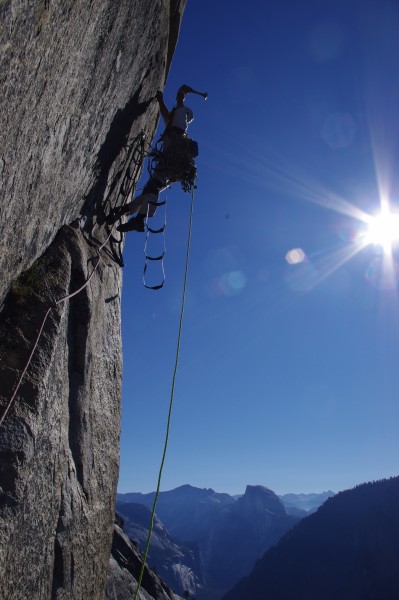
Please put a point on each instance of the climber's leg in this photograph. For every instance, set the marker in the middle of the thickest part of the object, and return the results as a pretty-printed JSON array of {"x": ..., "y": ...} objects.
[
  {"x": 144, "y": 205},
  {"x": 135, "y": 224},
  {"x": 140, "y": 203}
]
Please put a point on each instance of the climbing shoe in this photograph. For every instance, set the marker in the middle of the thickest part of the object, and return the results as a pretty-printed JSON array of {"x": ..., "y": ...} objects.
[
  {"x": 113, "y": 216},
  {"x": 135, "y": 224},
  {"x": 116, "y": 213}
]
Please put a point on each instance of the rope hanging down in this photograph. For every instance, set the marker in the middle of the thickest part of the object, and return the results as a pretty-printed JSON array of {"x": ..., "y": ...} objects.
[
  {"x": 54, "y": 304},
  {"x": 135, "y": 157},
  {"x": 172, "y": 393}
]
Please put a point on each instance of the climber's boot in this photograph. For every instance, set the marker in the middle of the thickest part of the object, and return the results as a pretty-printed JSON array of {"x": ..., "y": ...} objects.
[
  {"x": 117, "y": 212},
  {"x": 137, "y": 223}
]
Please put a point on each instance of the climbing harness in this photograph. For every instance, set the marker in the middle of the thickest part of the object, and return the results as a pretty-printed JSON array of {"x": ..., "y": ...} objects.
[
  {"x": 172, "y": 393},
  {"x": 179, "y": 153}
]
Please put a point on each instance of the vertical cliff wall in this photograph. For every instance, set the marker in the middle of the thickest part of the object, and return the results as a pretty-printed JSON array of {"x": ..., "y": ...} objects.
[
  {"x": 124, "y": 570},
  {"x": 77, "y": 80}
]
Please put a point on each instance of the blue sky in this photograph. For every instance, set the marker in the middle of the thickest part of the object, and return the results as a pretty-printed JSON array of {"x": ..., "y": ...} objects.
[{"x": 288, "y": 373}]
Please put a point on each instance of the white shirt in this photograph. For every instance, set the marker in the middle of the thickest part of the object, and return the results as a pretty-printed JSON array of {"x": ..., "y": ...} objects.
[{"x": 182, "y": 116}]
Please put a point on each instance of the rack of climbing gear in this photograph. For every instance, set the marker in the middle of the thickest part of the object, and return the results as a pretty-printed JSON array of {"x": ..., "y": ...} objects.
[
  {"x": 135, "y": 156},
  {"x": 127, "y": 176}
]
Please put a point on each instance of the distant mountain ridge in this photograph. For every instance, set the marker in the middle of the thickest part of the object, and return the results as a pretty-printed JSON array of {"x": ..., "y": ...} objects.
[
  {"x": 187, "y": 502},
  {"x": 303, "y": 504},
  {"x": 243, "y": 531},
  {"x": 185, "y": 511},
  {"x": 347, "y": 550},
  {"x": 231, "y": 534}
]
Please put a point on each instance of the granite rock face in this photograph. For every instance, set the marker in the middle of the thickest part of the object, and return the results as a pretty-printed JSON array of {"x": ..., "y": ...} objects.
[
  {"x": 177, "y": 562},
  {"x": 124, "y": 569},
  {"x": 77, "y": 79},
  {"x": 59, "y": 442}
]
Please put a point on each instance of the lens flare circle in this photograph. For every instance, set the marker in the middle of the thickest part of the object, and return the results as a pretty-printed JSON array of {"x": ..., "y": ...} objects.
[{"x": 295, "y": 256}]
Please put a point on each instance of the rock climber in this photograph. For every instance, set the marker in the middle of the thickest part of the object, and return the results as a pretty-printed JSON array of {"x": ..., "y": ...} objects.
[{"x": 174, "y": 162}]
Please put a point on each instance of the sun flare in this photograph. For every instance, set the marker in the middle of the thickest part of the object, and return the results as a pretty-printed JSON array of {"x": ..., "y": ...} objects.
[{"x": 383, "y": 230}]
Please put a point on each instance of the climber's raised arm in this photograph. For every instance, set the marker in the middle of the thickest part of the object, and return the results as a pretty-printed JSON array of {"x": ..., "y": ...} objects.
[
  {"x": 181, "y": 94},
  {"x": 163, "y": 108}
]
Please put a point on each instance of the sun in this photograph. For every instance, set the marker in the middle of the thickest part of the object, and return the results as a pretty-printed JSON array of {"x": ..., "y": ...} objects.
[{"x": 383, "y": 230}]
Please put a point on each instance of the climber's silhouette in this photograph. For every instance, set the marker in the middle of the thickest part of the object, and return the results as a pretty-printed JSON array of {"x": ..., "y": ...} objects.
[{"x": 174, "y": 162}]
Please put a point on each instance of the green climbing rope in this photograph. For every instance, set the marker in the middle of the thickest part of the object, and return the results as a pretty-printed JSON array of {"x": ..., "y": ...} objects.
[{"x": 172, "y": 393}]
